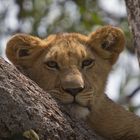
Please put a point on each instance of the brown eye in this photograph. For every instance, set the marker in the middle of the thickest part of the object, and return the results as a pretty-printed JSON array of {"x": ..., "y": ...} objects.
[
  {"x": 52, "y": 64},
  {"x": 87, "y": 63}
]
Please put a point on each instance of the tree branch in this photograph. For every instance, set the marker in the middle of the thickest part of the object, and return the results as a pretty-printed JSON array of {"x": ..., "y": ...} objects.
[
  {"x": 25, "y": 106},
  {"x": 133, "y": 11}
]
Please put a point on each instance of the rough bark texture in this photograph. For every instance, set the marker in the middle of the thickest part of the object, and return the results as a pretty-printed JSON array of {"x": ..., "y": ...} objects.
[
  {"x": 133, "y": 11},
  {"x": 24, "y": 106}
]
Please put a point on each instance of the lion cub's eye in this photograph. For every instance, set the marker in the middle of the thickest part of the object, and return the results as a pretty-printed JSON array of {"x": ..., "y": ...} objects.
[
  {"x": 52, "y": 64},
  {"x": 87, "y": 63}
]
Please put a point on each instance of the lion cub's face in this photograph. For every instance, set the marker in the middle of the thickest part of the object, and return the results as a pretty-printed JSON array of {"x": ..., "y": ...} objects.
[
  {"x": 71, "y": 67},
  {"x": 68, "y": 71}
]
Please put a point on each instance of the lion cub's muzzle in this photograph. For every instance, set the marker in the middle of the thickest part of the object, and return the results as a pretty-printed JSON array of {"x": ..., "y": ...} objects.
[{"x": 72, "y": 83}]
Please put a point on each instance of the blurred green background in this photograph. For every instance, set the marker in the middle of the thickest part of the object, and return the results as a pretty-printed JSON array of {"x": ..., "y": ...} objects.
[{"x": 44, "y": 17}]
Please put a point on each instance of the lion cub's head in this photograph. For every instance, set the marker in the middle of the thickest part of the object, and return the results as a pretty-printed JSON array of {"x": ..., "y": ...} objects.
[{"x": 71, "y": 66}]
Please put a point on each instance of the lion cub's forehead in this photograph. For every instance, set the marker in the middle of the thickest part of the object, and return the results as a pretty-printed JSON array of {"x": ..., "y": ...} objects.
[{"x": 66, "y": 49}]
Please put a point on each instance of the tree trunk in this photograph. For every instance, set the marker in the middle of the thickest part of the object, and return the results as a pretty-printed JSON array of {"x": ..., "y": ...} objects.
[
  {"x": 133, "y": 11},
  {"x": 24, "y": 106}
]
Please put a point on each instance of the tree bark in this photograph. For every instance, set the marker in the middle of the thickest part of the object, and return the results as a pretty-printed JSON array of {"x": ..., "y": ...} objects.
[
  {"x": 133, "y": 11},
  {"x": 24, "y": 106}
]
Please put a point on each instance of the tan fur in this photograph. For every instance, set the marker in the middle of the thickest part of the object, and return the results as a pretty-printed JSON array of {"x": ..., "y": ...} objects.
[{"x": 69, "y": 51}]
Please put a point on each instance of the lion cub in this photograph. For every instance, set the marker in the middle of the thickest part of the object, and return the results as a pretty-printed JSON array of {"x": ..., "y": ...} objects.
[{"x": 74, "y": 69}]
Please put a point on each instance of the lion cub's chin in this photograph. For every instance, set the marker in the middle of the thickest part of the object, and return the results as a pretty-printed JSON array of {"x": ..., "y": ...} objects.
[{"x": 78, "y": 111}]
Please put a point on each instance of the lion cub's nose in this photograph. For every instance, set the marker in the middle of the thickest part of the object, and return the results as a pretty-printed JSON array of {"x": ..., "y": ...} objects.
[{"x": 73, "y": 91}]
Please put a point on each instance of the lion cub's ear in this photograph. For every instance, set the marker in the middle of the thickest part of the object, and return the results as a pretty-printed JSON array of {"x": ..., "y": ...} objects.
[
  {"x": 22, "y": 49},
  {"x": 108, "y": 42}
]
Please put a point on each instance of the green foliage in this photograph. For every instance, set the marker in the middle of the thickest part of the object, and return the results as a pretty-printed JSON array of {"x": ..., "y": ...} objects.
[{"x": 50, "y": 16}]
